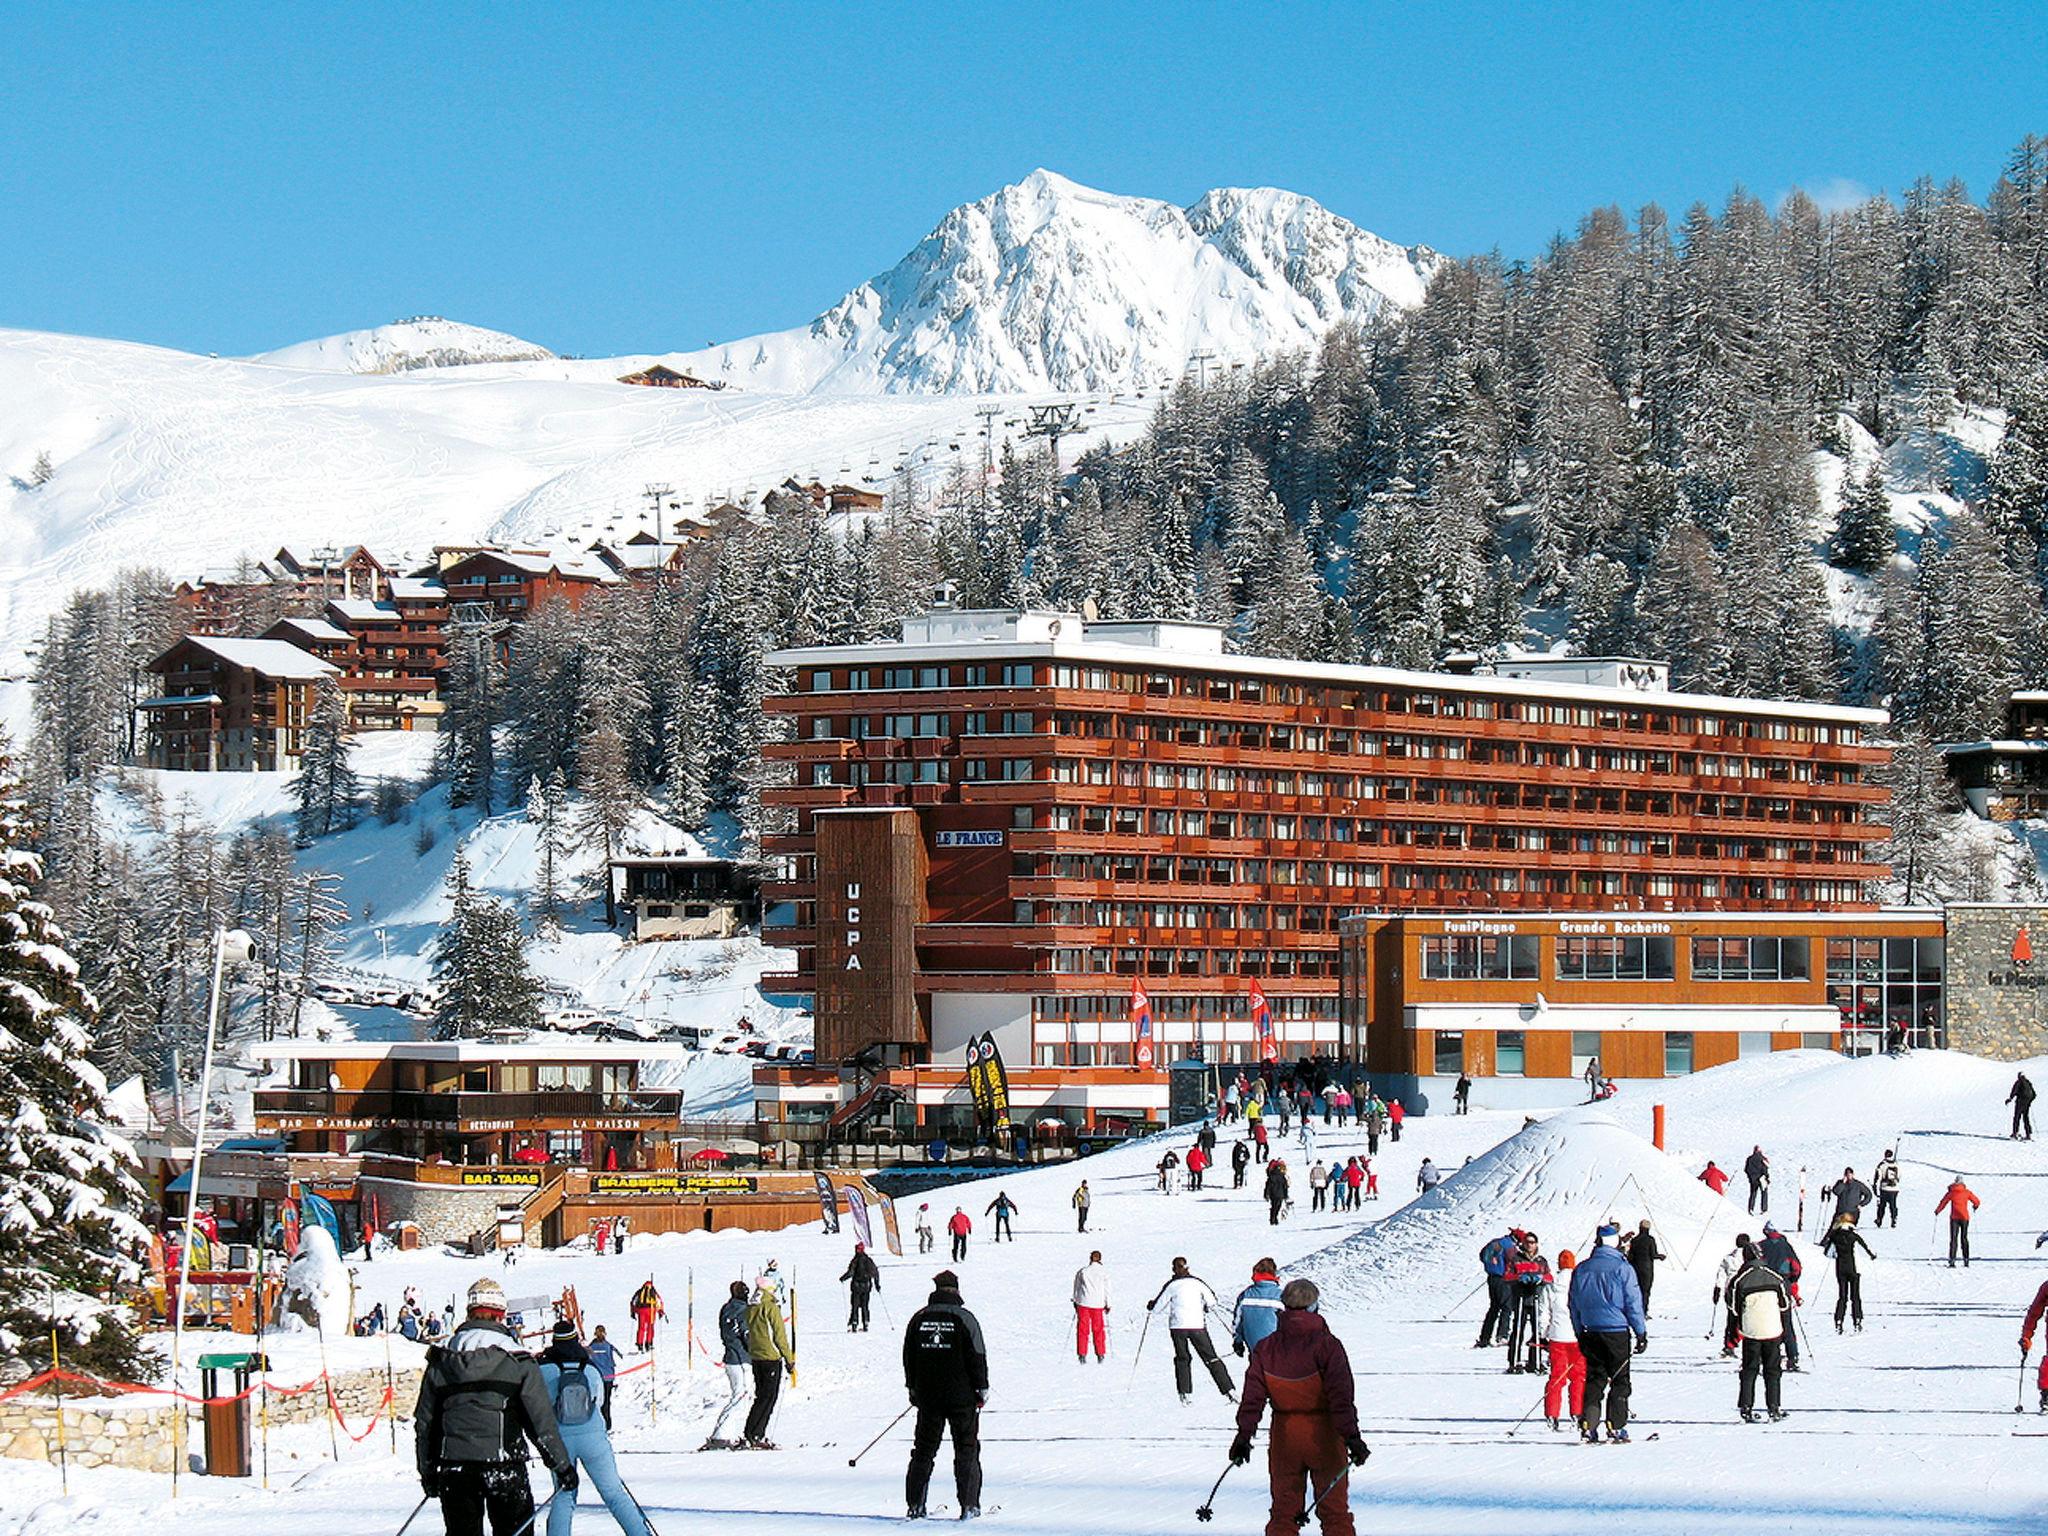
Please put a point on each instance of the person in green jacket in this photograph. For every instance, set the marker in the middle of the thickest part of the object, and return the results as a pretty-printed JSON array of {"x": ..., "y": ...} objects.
[{"x": 768, "y": 1349}]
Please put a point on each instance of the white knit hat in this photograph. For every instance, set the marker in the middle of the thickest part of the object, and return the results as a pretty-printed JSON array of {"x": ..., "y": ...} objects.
[{"x": 487, "y": 1293}]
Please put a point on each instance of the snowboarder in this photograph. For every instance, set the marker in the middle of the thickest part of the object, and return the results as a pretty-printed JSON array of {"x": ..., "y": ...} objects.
[
  {"x": 1528, "y": 1276},
  {"x": 1714, "y": 1178},
  {"x": 1763, "y": 1309},
  {"x": 1493, "y": 1263},
  {"x": 1606, "y": 1306},
  {"x": 604, "y": 1354},
  {"x": 924, "y": 1229},
  {"x": 1462, "y": 1094},
  {"x": 1082, "y": 1200},
  {"x": 1276, "y": 1191},
  {"x": 1849, "y": 1193},
  {"x": 769, "y": 1353},
  {"x": 1240, "y": 1160},
  {"x": 1567, "y": 1363},
  {"x": 1188, "y": 1300},
  {"x": 732, "y": 1338},
  {"x": 1724, "y": 1281},
  {"x": 481, "y": 1399},
  {"x": 958, "y": 1226},
  {"x": 1319, "y": 1186},
  {"x": 1426, "y": 1177},
  {"x": 2021, "y": 1097},
  {"x": 1757, "y": 1169},
  {"x": 1303, "y": 1371},
  {"x": 1091, "y": 1309},
  {"x": 1643, "y": 1254},
  {"x": 1002, "y": 1208},
  {"x": 1886, "y": 1180},
  {"x": 576, "y": 1389},
  {"x": 647, "y": 1309},
  {"x": 2032, "y": 1320},
  {"x": 1257, "y": 1310},
  {"x": 1776, "y": 1251},
  {"x": 864, "y": 1276},
  {"x": 1843, "y": 1240},
  {"x": 1959, "y": 1203},
  {"x": 945, "y": 1370},
  {"x": 1396, "y": 1113}
]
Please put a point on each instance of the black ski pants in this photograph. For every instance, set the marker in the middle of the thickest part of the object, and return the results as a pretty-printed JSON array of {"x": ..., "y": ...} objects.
[
  {"x": 1237, "y": 1175},
  {"x": 2023, "y": 1118},
  {"x": 1260, "y": 1152},
  {"x": 1848, "y": 1296},
  {"x": 1197, "y": 1340},
  {"x": 1003, "y": 1227},
  {"x": 1958, "y": 1237},
  {"x": 959, "y": 1247},
  {"x": 857, "y": 1316},
  {"x": 1887, "y": 1201},
  {"x": 1372, "y": 1141},
  {"x": 1081, "y": 1218},
  {"x": 1321, "y": 1196},
  {"x": 1764, "y": 1355},
  {"x": 767, "y": 1388},
  {"x": 1760, "y": 1189},
  {"x": 471, "y": 1490},
  {"x": 1274, "y": 1204},
  {"x": 1607, "y": 1357},
  {"x": 964, "y": 1425},
  {"x": 1498, "y": 1295}
]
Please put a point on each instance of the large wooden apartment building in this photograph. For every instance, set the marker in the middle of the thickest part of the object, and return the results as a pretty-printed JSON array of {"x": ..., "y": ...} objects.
[{"x": 227, "y": 704}]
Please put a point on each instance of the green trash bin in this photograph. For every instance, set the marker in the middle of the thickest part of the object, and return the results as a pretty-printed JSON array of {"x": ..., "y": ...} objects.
[{"x": 228, "y": 1441}]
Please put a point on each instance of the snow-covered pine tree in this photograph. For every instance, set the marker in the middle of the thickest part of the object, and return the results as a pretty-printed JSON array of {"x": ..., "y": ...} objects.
[
  {"x": 480, "y": 966},
  {"x": 320, "y": 915},
  {"x": 327, "y": 790},
  {"x": 610, "y": 797},
  {"x": 1922, "y": 796},
  {"x": 465, "y": 751},
  {"x": 67, "y": 1185},
  {"x": 547, "y": 809},
  {"x": 1865, "y": 539},
  {"x": 1983, "y": 626}
]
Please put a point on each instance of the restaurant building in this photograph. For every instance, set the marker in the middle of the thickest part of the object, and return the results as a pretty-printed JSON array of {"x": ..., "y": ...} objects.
[{"x": 1106, "y": 844}]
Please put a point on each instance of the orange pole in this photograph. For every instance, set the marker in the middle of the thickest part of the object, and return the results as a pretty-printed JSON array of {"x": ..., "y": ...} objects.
[{"x": 1657, "y": 1126}]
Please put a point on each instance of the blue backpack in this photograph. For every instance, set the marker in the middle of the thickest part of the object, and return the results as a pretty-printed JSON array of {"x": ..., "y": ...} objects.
[{"x": 574, "y": 1402}]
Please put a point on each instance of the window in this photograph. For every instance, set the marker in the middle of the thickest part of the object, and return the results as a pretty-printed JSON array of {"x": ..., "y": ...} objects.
[
  {"x": 1820, "y": 1042},
  {"x": 1017, "y": 676},
  {"x": 1753, "y": 1042},
  {"x": 1678, "y": 1053},
  {"x": 1750, "y": 959},
  {"x": 1488, "y": 957},
  {"x": 1600, "y": 958},
  {"x": 1450, "y": 1054},
  {"x": 1509, "y": 1053},
  {"x": 1585, "y": 1050}
]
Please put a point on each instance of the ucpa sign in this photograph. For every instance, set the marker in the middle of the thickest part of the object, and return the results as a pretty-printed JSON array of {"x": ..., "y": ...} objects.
[{"x": 853, "y": 925}]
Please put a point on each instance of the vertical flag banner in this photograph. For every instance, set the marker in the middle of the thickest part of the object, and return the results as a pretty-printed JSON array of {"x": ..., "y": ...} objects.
[
  {"x": 857, "y": 1208},
  {"x": 997, "y": 1081},
  {"x": 828, "y": 1203},
  {"x": 1141, "y": 1025},
  {"x": 1262, "y": 1024}
]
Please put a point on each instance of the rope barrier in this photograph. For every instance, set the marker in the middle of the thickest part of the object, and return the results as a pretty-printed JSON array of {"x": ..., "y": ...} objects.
[{"x": 116, "y": 1388}]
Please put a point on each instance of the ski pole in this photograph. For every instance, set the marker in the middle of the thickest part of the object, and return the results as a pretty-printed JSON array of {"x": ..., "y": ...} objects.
[
  {"x": 1301, "y": 1520},
  {"x": 414, "y": 1515},
  {"x": 2019, "y": 1404},
  {"x": 851, "y": 1460},
  {"x": 651, "y": 1531},
  {"x": 539, "y": 1510},
  {"x": 1525, "y": 1418},
  {"x": 1207, "y": 1511},
  {"x": 1139, "y": 1354}
]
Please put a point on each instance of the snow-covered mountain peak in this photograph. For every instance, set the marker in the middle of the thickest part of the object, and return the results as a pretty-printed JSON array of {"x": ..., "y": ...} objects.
[{"x": 427, "y": 341}]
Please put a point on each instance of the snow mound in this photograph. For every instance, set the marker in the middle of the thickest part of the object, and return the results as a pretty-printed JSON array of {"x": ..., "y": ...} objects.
[
  {"x": 317, "y": 1287},
  {"x": 1561, "y": 1178},
  {"x": 406, "y": 345}
]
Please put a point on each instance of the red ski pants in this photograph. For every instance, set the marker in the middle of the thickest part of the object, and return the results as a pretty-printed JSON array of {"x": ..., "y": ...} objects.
[
  {"x": 1303, "y": 1457},
  {"x": 643, "y": 1335},
  {"x": 1567, "y": 1365},
  {"x": 1088, "y": 1327}
]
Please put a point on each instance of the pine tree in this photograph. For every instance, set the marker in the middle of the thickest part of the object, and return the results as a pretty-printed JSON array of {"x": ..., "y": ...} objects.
[
  {"x": 610, "y": 799},
  {"x": 547, "y": 809},
  {"x": 1865, "y": 539},
  {"x": 465, "y": 752},
  {"x": 67, "y": 1187},
  {"x": 1922, "y": 796},
  {"x": 320, "y": 915},
  {"x": 480, "y": 966},
  {"x": 327, "y": 789}
]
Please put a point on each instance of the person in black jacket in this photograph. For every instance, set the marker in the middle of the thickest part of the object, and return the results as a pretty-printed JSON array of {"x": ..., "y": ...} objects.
[
  {"x": 1843, "y": 1240},
  {"x": 865, "y": 1277},
  {"x": 2021, "y": 1097},
  {"x": 1776, "y": 1251},
  {"x": 1643, "y": 1254},
  {"x": 1757, "y": 1168},
  {"x": 945, "y": 1369},
  {"x": 738, "y": 1364},
  {"x": 480, "y": 1401},
  {"x": 1276, "y": 1191},
  {"x": 1003, "y": 1208},
  {"x": 1240, "y": 1159}
]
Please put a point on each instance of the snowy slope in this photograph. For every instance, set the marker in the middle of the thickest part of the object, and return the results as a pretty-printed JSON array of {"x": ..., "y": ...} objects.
[
  {"x": 426, "y": 342},
  {"x": 1050, "y": 285}
]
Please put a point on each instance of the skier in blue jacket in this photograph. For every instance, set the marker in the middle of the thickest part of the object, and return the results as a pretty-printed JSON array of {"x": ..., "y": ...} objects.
[
  {"x": 1257, "y": 1312},
  {"x": 1606, "y": 1304},
  {"x": 1494, "y": 1259},
  {"x": 576, "y": 1388}
]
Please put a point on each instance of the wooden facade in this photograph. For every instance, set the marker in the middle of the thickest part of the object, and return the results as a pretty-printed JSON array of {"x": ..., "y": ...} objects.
[{"x": 230, "y": 705}]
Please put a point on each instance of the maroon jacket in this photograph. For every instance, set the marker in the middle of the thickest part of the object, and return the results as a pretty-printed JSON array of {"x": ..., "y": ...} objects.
[{"x": 1301, "y": 1368}]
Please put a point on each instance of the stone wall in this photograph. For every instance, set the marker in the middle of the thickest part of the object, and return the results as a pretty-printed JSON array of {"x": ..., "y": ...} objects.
[
  {"x": 444, "y": 1213},
  {"x": 1997, "y": 984},
  {"x": 136, "y": 1432}
]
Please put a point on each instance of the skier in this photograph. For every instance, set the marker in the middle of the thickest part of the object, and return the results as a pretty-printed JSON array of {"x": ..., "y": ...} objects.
[
  {"x": 769, "y": 1353},
  {"x": 1375, "y": 1117},
  {"x": 1493, "y": 1263},
  {"x": 1002, "y": 1208},
  {"x": 959, "y": 1225},
  {"x": 1240, "y": 1160},
  {"x": 1886, "y": 1179},
  {"x": 865, "y": 1277},
  {"x": 1850, "y": 1194},
  {"x": 1426, "y": 1177},
  {"x": 605, "y": 1356},
  {"x": 1462, "y": 1094},
  {"x": 1230, "y": 1101},
  {"x": 732, "y": 1337},
  {"x": 480, "y": 1400},
  {"x": 2021, "y": 1097},
  {"x": 1757, "y": 1168},
  {"x": 1724, "y": 1282},
  {"x": 1776, "y": 1251},
  {"x": 2032, "y": 1320},
  {"x": 1303, "y": 1371},
  {"x": 945, "y": 1369},
  {"x": 1341, "y": 1102},
  {"x": 1843, "y": 1239},
  {"x": 1396, "y": 1113},
  {"x": 1606, "y": 1306},
  {"x": 1082, "y": 1200},
  {"x": 1763, "y": 1309},
  {"x": 646, "y": 1308},
  {"x": 1188, "y": 1300},
  {"x": 1714, "y": 1178},
  {"x": 1206, "y": 1139},
  {"x": 1091, "y": 1309},
  {"x": 576, "y": 1389},
  {"x": 1372, "y": 1182},
  {"x": 1528, "y": 1277},
  {"x": 1257, "y": 1310},
  {"x": 1276, "y": 1191},
  {"x": 1198, "y": 1164},
  {"x": 1354, "y": 1180},
  {"x": 1959, "y": 1203},
  {"x": 1169, "y": 1172},
  {"x": 1319, "y": 1186},
  {"x": 619, "y": 1230},
  {"x": 924, "y": 1229},
  {"x": 1643, "y": 1254},
  {"x": 1260, "y": 1150},
  {"x": 1567, "y": 1363}
]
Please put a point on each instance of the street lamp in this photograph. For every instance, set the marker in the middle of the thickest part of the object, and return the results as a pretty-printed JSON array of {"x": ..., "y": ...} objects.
[{"x": 231, "y": 946}]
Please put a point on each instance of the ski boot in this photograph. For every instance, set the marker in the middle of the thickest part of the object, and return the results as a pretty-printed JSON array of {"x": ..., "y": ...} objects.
[
  {"x": 1749, "y": 1415},
  {"x": 1555, "y": 1423},
  {"x": 758, "y": 1443},
  {"x": 1187, "y": 1397},
  {"x": 915, "y": 1512},
  {"x": 1617, "y": 1437},
  {"x": 1589, "y": 1433},
  {"x": 1838, "y": 1328},
  {"x": 1514, "y": 1368},
  {"x": 1777, "y": 1415},
  {"x": 971, "y": 1512}
]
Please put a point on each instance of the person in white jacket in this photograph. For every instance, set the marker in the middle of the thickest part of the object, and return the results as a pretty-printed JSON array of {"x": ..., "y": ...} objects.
[
  {"x": 1567, "y": 1363},
  {"x": 1724, "y": 1283},
  {"x": 1091, "y": 1309},
  {"x": 1188, "y": 1300}
]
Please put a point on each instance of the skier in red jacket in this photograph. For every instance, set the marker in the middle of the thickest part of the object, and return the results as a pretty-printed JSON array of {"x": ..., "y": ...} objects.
[
  {"x": 1714, "y": 1178},
  {"x": 1959, "y": 1203},
  {"x": 1303, "y": 1370},
  {"x": 2027, "y": 1338}
]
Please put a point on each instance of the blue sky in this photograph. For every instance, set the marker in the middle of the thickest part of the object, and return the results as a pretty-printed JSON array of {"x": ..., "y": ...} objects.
[{"x": 613, "y": 178}]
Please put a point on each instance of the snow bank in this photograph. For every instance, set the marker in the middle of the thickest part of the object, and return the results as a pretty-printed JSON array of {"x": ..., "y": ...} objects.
[{"x": 317, "y": 1288}]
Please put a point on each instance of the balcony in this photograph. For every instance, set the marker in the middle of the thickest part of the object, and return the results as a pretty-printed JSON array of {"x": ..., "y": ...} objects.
[{"x": 456, "y": 1110}]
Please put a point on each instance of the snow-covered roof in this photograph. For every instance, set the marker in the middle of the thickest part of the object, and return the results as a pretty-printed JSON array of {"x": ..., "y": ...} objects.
[
  {"x": 361, "y": 610},
  {"x": 272, "y": 658},
  {"x": 178, "y": 700},
  {"x": 315, "y": 629},
  {"x": 474, "y": 1050},
  {"x": 418, "y": 588},
  {"x": 539, "y": 563},
  {"x": 2007, "y": 747}
]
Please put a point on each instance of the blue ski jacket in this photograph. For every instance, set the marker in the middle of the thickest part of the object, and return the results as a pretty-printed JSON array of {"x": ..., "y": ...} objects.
[
  {"x": 1495, "y": 1255},
  {"x": 1258, "y": 1312},
  {"x": 1606, "y": 1297}
]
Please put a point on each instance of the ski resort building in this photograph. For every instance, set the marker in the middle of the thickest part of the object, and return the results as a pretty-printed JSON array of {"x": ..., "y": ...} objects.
[
  {"x": 513, "y": 583},
  {"x": 685, "y": 896},
  {"x": 1108, "y": 845},
  {"x": 231, "y": 705},
  {"x": 2006, "y": 778}
]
